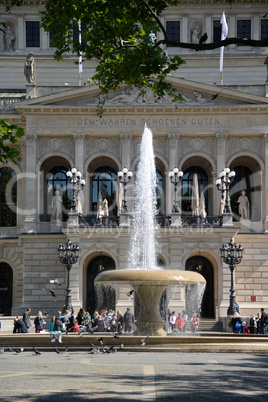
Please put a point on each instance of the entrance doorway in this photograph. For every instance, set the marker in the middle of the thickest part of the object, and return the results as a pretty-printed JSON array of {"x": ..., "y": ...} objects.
[
  {"x": 204, "y": 267},
  {"x": 6, "y": 286},
  {"x": 106, "y": 295}
]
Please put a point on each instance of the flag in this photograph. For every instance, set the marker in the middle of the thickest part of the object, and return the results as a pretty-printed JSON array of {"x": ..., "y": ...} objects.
[
  {"x": 224, "y": 33},
  {"x": 80, "y": 41}
]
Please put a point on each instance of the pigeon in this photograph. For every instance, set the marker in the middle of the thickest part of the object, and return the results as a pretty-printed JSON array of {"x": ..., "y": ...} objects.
[
  {"x": 9, "y": 349},
  {"x": 36, "y": 351},
  {"x": 57, "y": 351},
  {"x": 203, "y": 38},
  {"x": 92, "y": 345},
  {"x": 215, "y": 96},
  {"x": 2, "y": 351},
  {"x": 52, "y": 293},
  {"x": 115, "y": 337},
  {"x": 53, "y": 339},
  {"x": 143, "y": 340},
  {"x": 122, "y": 345},
  {"x": 17, "y": 351},
  {"x": 100, "y": 340},
  {"x": 130, "y": 294},
  {"x": 93, "y": 329},
  {"x": 55, "y": 281},
  {"x": 66, "y": 349}
]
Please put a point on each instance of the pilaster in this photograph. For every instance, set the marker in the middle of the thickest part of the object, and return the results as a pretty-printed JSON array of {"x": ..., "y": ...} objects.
[
  {"x": 31, "y": 184},
  {"x": 173, "y": 157}
]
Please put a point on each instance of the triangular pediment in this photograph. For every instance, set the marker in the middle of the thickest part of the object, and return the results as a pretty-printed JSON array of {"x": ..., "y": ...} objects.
[{"x": 195, "y": 95}]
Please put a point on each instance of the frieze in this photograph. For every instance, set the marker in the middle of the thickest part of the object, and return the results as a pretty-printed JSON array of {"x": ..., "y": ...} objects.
[
  {"x": 245, "y": 144},
  {"x": 198, "y": 144},
  {"x": 94, "y": 145},
  {"x": 47, "y": 145}
]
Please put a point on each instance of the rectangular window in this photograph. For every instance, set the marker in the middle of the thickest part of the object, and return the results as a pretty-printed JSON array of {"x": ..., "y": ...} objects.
[
  {"x": 216, "y": 31},
  {"x": 243, "y": 29},
  {"x": 173, "y": 30},
  {"x": 52, "y": 35},
  {"x": 264, "y": 29},
  {"x": 32, "y": 34}
]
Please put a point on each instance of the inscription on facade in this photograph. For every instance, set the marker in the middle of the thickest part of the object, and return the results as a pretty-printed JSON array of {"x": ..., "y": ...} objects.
[{"x": 153, "y": 121}]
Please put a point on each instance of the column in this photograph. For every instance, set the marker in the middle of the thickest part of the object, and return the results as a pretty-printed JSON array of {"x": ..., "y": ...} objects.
[
  {"x": 232, "y": 28},
  {"x": 265, "y": 186},
  {"x": 173, "y": 157},
  {"x": 31, "y": 184},
  {"x": 20, "y": 33},
  {"x": 208, "y": 30},
  {"x": 184, "y": 28}
]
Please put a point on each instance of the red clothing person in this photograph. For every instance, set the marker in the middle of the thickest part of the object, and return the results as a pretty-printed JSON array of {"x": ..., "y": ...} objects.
[
  {"x": 76, "y": 326},
  {"x": 179, "y": 323},
  {"x": 194, "y": 323}
]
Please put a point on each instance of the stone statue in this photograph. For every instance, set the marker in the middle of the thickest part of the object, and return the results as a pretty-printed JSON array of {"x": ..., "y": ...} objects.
[
  {"x": 78, "y": 204},
  {"x": 9, "y": 39},
  {"x": 196, "y": 33},
  {"x": 56, "y": 205},
  {"x": 29, "y": 68},
  {"x": 243, "y": 208},
  {"x": 105, "y": 207}
]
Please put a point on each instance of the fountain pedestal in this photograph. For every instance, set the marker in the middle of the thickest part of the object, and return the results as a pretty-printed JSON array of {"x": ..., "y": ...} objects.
[{"x": 149, "y": 284}]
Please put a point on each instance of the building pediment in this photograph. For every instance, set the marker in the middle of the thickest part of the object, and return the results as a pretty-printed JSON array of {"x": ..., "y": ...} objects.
[{"x": 194, "y": 95}]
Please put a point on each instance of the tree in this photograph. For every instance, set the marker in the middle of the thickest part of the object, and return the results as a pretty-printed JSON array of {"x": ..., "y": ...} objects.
[
  {"x": 120, "y": 35},
  {"x": 9, "y": 133}
]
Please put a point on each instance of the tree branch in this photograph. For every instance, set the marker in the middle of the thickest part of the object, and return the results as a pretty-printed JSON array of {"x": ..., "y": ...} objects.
[{"x": 159, "y": 23}]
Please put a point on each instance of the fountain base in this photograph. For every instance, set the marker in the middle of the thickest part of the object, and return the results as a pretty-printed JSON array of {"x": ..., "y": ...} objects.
[{"x": 149, "y": 284}]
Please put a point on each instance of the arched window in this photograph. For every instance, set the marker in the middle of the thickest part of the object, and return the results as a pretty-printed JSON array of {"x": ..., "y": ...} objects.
[
  {"x": 242, "y": 182},
  {"x": 8, "y": 197},
  {"x": 104, "y": 181},
  {"x": 57, "y": 180},
  {"x": 187, "y": 184},
  {"x": 159, "y": 190},
  {"x": 6, "y": 286}
]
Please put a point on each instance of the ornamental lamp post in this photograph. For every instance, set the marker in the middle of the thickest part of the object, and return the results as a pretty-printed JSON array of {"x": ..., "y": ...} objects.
[
  {"x": 223, "y": 185},
  {"x": 78, "y": 183},
  {"x": 232, "y": 255},
  {"x": 68, "y": 255},
  {"x": 175, "y": 177},
  {"x": 124, "y": 177}
]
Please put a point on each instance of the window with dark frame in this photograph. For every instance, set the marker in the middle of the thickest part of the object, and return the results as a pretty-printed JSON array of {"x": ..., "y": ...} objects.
[
  {"x": 173, "y": 31},
  {"x": 264, "y": 29},
  {"x": 32, "y": 34},
  {"x": 243, "y": 29},
  {"x": 216, "y": 31}
]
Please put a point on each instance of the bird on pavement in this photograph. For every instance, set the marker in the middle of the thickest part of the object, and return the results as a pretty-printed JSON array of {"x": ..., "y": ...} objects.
[
  {"x": 100, "y": 340},
  {"x": 36, "y": 351},
  {"x": 57, "y": 351},
  {"x": 2, "y": 351},
  {"x": 143, "y": 340}
]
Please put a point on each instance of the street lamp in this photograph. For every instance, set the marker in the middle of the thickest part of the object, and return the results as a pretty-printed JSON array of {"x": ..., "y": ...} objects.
[
  {"x": 68, "y": 255},
  {"x": 223, "y": 185},
  {"x": 175, "y": 176},
  {"x": 232, "y": 255},
  {"x": 124, "y": 177},
  {"x": 77, "y": 182}
]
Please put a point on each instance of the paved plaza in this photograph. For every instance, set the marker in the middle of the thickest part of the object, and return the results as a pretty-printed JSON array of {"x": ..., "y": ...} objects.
[{"x": 78, "y": 376}]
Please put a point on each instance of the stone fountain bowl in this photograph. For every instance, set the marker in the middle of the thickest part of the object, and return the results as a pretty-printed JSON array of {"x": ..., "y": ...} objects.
[{"x": 149, "y": 284}]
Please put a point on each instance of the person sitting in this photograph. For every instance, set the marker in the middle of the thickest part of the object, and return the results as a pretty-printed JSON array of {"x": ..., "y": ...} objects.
[{"x": 19, "y": 326}]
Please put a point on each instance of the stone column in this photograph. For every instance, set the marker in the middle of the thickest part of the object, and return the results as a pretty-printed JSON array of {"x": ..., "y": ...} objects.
[
  {"x": 265, "y": 186},
  {"x": 184, "y": 28},
  {"x": 20, "y": 33},
  {"x": 31, "y": 184},
  {"x": 208, "y": 30},
  {"x": 232, "y": 28},
  {"x": 173, "y": 157}
]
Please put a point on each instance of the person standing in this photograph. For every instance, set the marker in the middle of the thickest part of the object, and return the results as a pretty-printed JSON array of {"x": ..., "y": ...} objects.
[
  {"x": 185, "y": 318},
  {"x": 263, "y": 322},
  {"x": 26, "y": 318},
  {"x": 39, "y": 322},
  {"x": 194, "y": 323},
  {"x": 128, "y": 320},
  {"x": 179, "y": 323}
]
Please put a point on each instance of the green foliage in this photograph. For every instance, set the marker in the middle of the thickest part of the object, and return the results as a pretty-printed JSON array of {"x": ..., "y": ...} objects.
[{"x": 9, "y": 133}]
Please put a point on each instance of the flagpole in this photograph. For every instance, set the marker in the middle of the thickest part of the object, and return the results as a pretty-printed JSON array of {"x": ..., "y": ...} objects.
[
  {"x": 80, "y": 66},
  {"x": 224, "y": 33}
]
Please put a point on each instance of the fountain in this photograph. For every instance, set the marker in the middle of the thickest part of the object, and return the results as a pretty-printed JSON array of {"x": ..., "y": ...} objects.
[{"x": 147, "y": 279}]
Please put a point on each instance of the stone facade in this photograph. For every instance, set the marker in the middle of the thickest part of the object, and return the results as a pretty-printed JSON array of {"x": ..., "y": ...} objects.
[{"x": 202, "y": 135}]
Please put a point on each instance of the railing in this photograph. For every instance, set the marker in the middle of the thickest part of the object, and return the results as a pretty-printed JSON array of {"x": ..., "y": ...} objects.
[
  {"x": 8, "y": 103},
  {"x": 162, "y": 221}
]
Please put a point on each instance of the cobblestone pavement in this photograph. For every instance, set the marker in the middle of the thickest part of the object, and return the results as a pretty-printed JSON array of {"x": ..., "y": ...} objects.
[{"x": 79, "y": 376}]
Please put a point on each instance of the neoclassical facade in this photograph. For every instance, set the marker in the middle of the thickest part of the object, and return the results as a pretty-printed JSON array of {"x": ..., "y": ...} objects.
[{"x": 201, "y": 136}]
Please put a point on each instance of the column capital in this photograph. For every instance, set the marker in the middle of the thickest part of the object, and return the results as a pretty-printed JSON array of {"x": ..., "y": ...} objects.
[
  {"x": 173, "y": 138},
  {"x": 126, "y": 137},
  {"x": 221, "y": 137},
  {"x": 30, "y": 138},
  {"x": 79, "y": 137}
]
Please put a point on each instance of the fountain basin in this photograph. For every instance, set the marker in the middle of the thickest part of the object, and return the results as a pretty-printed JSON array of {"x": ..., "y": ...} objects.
[{"x": 149, "y": 284}]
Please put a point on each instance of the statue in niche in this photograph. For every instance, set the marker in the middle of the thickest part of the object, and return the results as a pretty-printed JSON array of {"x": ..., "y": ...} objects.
[
  {"x": 243, "y": 208},
  {"x": 9, "y": 39},
  {"x": 78, "y": 204},
  {"x": 105, "y": 207},
  {"x": 196, "y": 34},
  {"x": 29, "y": 68},
  {"x": 56, "y": 205}
]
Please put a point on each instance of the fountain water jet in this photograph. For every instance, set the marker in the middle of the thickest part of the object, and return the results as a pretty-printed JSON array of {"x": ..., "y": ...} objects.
[{"x": 148, "y": 280}]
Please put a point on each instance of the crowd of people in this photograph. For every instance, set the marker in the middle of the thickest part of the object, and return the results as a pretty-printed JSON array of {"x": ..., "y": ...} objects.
[
  {"x": 107, "y": 320},
  {"x": 177, "y": 323},
  {"x": 251, "y": 325}
]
